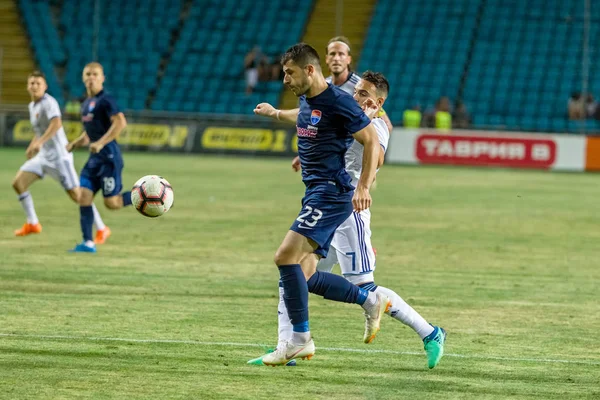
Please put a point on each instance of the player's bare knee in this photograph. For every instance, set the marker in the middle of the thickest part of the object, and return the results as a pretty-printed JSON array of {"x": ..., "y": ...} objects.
[
  {"x": 283, "y": 257},
  {"x": 74, "y": 194},
  {"x": 113, "y": 203},
  {"x": 278, "y": 258},
  {"x": 18, "y": 186}
]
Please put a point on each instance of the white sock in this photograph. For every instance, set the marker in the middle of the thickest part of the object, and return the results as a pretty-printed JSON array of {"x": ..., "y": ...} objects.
[
  {"x": 404, "y": 313},
  {"x": 371, "y": 300},
  {"x": 90, "y": 243},
  {"x": 300, "y": 337},
  {"x": 27, "y": 203},
  {"x": 283, "y": 321},
  {"x": 97, "y": 219}
]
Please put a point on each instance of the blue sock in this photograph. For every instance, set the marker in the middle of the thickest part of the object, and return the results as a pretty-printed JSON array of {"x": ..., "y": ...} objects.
[
  {"x": 86, "y": 218},
  {"x": 335, "y": 287},
  {"x": 295, "y": 295},
  {"x": 126, "y": 198}
]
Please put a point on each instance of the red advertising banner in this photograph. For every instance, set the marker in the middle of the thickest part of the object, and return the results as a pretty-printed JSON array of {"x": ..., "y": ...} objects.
[{"x": 486, "y": 150}]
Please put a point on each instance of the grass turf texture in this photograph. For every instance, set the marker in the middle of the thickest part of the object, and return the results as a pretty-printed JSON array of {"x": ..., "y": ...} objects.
[{"x": 506, "y": 261}]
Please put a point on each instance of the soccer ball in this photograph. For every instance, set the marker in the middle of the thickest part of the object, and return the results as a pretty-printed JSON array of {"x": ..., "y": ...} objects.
[{"x": 152, "y": 196}]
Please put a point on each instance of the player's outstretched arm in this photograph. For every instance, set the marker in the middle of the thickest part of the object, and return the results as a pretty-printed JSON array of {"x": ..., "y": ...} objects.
[
  {"x": 82, "y": 140},
  {"x": 370, "y": 141},
  {"x": 267, "y": 110},
  {"x": 118, "y": 124}
]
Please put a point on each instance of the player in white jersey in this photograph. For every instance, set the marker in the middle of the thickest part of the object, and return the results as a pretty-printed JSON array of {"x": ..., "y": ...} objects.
[
  {"x": 351, "y": 245},
  {"x": 339, "y": 61},
  {"x": 47, "y": 155}
]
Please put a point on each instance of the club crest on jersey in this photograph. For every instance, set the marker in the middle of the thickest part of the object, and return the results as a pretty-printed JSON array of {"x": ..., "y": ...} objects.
[
  {"x": 91, "y": 106},
  {"x": 315, "y": 117}
]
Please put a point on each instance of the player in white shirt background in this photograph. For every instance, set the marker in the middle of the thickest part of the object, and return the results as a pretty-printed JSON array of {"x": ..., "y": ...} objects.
[
  {"x": 339, "y": 62},
  {"x": 47, "y": 155},
  {"x": 351, "y": 246}
]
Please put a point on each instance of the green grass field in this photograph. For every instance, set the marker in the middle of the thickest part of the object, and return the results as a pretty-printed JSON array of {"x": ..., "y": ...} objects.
[{"x": 172, "y": 308}]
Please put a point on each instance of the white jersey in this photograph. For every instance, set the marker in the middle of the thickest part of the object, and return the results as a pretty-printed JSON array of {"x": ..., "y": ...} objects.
[
  {"x": 40, "y": 115},
  {"x": 354, "y": 155},
  {"x": 349, "y": 85}
]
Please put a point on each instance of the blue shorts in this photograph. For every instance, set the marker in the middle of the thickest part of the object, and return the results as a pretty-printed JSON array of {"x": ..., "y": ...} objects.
[
  {"x": 102, "y": 171},
  {"x": 324, "y": 208}
]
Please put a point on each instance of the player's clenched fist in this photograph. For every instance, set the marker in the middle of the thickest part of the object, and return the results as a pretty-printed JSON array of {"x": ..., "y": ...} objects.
[
  {"x": 96, "y": 147},
  {"x": 296, "y": 164},
  {"x": 265, "y": 109},
  {"x": 362, "y": 199},
  {"x": 370, "y": 108}
]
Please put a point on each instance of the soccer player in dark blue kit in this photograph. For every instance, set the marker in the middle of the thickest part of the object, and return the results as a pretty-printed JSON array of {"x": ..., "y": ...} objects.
[
  {"x": 102, "y": 122},
  {"x": 328, "y": 121}
]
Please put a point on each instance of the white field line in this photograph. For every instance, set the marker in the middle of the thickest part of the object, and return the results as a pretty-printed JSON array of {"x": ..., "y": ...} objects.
[{"x": 336, "y": 349}]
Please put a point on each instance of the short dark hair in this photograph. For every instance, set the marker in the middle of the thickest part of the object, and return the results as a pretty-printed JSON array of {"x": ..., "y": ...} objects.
[
  {"x": 302, "y": 54},
  {"x": 37, "y": 74},
  {"x": 381, "y": 83}
]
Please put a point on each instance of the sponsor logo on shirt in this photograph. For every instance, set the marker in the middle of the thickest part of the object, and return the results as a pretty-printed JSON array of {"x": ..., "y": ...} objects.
[
  {"x": 310, "y": 131},
  {"x": 87, "y": 117},
  {"x": 91, "y": 106}
]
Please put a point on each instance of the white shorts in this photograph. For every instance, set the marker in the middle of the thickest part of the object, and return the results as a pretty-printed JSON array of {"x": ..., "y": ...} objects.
[
  {"x": 353, "y": 250},
  {"x": 62, "y": 169}
]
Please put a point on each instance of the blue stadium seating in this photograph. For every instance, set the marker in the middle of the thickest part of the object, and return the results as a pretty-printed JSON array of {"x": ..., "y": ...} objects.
[
  {"x": 521, "y": 60},
  {"x": 44, "y": 36},
  {"x": 513, "y": 63},
  {"x": 133, "y": 37},
  {"x": 526, "y": 61},
  {"x": 205, "y": 68},
  {"x": 206, "y": 71},
  {"x": 422, "y": 47}
]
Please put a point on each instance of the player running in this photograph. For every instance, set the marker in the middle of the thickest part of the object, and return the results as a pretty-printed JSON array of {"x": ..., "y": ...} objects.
[
  {"x": 102, "y": 122},
  {"x": 339, "y": 60},
  {"x": 352, "y": 239},
  {"x": 327, "y": 123},
  {"x": 46, "y": 154}
]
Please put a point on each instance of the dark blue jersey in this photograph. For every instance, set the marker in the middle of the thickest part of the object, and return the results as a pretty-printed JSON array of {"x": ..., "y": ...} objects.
[
  {"x": 325, "y": 127},
  {"x": 96, "y": 113}
]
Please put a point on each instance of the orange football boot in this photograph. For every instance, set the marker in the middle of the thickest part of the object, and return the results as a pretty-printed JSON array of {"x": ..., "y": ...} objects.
[
  {"x": 28, "y": 229},
  {"x": 102, "y": 235}
]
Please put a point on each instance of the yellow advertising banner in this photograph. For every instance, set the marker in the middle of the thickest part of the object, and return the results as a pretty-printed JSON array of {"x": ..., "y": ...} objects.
[
  {"x": 248, "y": 139},
  {"x": 151, "y": 135}
]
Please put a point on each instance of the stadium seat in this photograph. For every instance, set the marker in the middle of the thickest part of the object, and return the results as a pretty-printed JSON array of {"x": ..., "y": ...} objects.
[
  {"x": 514, "y": 63},
  {"x": 130, "y": 43},
  {"x": 213, "y": 43},
  {"x": 523, "y": 59}
]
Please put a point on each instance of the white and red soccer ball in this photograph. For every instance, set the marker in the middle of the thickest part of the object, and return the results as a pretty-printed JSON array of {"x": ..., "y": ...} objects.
[{"x": 152, "y": 196}]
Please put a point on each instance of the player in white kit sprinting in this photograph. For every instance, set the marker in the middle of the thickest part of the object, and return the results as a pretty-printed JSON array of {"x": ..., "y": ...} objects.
[
  {"x": 351, "y": 245},
  {"x": 47, "y": 155}
]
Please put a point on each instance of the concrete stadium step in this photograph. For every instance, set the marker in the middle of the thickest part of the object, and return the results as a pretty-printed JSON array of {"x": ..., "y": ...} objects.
[
  {"x": 17, "y": 58},
  {"x": 356, "y": 16}
]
